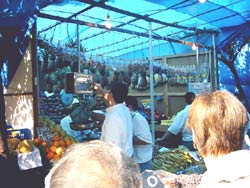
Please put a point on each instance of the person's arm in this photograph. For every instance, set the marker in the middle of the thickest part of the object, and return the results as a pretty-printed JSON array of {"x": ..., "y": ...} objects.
[
  {"x": 105, "y": 94},
  {"x": 166, "y": 135},
  {"x": 99, "y": 88},
  {"x": 138, "y": 141},
  {"x": 97, "y": 116},
  {"x": 175, "y": 128},
  {"x": 85, "y": 126}
]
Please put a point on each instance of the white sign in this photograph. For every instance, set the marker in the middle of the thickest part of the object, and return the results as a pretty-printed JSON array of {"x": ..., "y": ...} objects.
[{"x": 199, "y": 87}]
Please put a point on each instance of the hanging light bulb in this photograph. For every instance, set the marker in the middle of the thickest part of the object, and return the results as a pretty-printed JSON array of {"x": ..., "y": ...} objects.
[
  {"x": 108, "y": 23},
  {"x": 194, "y": 47},
  {"x": 202, "y": 1}
]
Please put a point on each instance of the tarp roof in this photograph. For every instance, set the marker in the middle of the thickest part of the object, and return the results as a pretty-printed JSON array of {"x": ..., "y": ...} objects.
[
  {"x": 175, "y": 26},
  {"x": 173, "y": 23}
]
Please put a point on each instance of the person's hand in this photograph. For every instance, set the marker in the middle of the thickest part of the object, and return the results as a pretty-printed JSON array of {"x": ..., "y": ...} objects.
[
  {"x": 158, "y": 140},
  {"x": 97, "y": 86}
]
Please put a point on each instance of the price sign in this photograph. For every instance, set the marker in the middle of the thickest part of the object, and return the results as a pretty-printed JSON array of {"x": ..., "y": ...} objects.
[{"x": 199, "y": 88}]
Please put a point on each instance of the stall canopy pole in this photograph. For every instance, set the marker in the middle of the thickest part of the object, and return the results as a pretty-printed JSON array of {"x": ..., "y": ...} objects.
[
  {"x": 151, "y": 83},
  {"x": 3, "y": 126},
  {"x": 215, "y": 64},
  {"x": 78, "y": 46},
  {"x": 214, "y": 67},
  {"x": 197, "y": 61},
  {"x": 210, "y": 66}
]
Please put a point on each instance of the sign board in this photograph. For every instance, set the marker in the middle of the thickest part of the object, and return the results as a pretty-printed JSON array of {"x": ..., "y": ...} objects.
[
  {"x": 79, "y": 83},
  {"x": 198, "y": 87},
  {"x": 44, "y": 134}
]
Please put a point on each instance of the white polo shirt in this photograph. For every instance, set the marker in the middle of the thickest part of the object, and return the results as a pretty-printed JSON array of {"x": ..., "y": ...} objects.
[
  {"x": 178, "y": 125},
  {"x": 117, "y": 128},
  {"x": 142, "y": 153}
]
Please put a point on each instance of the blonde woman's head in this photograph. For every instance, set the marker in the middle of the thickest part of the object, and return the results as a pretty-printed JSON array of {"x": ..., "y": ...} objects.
[{"x": 218, "y": 120}]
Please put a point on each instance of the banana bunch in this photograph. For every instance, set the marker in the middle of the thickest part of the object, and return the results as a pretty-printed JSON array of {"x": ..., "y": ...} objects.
[{"x": 174, "y": 160}]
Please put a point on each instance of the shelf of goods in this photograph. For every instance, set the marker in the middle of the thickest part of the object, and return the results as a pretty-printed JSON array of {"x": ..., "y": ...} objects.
[{"x": 51, "y": 106}]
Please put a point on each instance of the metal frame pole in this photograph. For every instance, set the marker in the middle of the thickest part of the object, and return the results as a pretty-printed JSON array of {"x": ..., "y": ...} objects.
[
  {"x": 151, "y": 83},
  {"x": 215, "y": 64},
  {"x": 78, "y": 47}
]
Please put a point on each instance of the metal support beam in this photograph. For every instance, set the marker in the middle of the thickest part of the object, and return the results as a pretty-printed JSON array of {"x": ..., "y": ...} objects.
[
  {"x": 133, "y": 20},
  {"x": 72, "y": 16},
  {"x": 120, "y": 25},
  {"x": 157, "y": 37},
  {"x": 142, "y": 17}
]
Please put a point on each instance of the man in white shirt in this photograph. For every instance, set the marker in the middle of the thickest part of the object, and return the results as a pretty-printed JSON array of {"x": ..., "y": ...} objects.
[
  {"x": 178, "y": 125},
  {"x": 142, "y": 137},
  {"x": 67, "y": 120},
  {"x": 79, "y": 115},
  {"x": 117, "y": 126}
]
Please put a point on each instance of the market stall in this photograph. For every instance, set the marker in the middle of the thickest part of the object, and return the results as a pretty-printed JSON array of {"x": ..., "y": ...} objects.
[{"x": 160, "y": 58}]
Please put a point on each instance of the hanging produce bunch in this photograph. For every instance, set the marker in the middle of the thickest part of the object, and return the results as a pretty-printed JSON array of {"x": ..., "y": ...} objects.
[
  {"x": 182, "y": 75},
  {"x": 55, "y": 61},
  {"x": 139, "y": 73}
]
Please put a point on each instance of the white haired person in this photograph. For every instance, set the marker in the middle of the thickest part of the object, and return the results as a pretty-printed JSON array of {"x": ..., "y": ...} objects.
[
  {"x": 218, "y": 121},
  {"x": 94, "y": 164}
]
